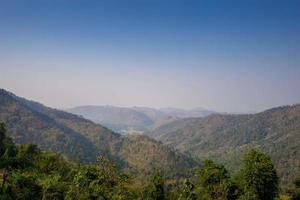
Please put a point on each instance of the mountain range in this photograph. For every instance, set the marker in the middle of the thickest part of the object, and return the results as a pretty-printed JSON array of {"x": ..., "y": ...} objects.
[
  {"x": 83, "y": 140},
  {"x": 225, "y": 137},
  {"x": 172, "y": 143},
  {"x": 135, "y": 119}
]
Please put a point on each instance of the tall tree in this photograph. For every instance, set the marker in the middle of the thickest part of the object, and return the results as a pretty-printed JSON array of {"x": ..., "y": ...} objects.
[
  {"x": 213, "y": 182},
  {"x": 187, "y": 191},
  {"x": 155, "y": 189},
  {"x": 2, "y": 136},
  {"x": 296, "y": 191},
  {"x": 258, "y": 176}
]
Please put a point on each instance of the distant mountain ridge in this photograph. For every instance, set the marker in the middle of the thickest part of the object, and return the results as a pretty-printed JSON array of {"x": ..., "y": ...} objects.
[
  {"x": 123, "y": 119},
  {"x": 51, "y": 129},
  {"x": 225, "y": 137}
]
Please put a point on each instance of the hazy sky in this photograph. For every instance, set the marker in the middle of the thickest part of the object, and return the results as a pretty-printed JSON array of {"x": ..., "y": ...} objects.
[{"x": 232, "y": 56}]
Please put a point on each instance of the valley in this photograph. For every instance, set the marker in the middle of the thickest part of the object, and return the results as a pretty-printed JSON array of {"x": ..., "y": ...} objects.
[
  {"x": 135, "y": 120},
  {"x": 183, "y": 141}
]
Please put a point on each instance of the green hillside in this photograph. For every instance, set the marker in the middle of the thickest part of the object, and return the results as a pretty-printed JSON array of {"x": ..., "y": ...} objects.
[
  {"x": 28, "y": 173},
  {"x": 225, "y": 137},
  {"x": 83, "y": 140}
]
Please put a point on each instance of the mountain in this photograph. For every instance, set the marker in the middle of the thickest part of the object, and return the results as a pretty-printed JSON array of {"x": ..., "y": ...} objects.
[
  {"x": 181, "y": 113},
  {"x": 225, "y": 137},
  {"x": 134, "y": 119},
  {"x": 81, "y": 139},
  {"x": 116, "y": 118}
]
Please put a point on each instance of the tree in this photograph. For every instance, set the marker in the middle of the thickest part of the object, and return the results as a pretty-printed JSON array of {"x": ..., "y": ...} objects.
[
  {"x": 155, "y": 189},
  {"x": 187, "y": 191},
  {"x": 8, "y": 151},
  {"x": 22, "y": 186},
  {"x": 214, "y": 182},
  {"x": 102, "y": 181},
  {"x": 2, "y": 136},
  {"x": 295, "y": 193},
  {"x": 28, "y": 173},
  {"x": 258, "y": 176}
]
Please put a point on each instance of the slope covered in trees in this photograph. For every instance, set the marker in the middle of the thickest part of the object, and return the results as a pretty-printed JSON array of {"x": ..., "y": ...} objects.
[
  {"x": 83, "y": 140},
  {"x": 28, "y": 173},
  {"x": 225, "y": 137}
]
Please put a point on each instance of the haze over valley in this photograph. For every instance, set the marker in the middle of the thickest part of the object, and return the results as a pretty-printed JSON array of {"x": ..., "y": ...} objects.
[
  {"x": 188, "y": 135},
  {"x": 128, "y": 120},
  {"x": 150, "y": 100}
]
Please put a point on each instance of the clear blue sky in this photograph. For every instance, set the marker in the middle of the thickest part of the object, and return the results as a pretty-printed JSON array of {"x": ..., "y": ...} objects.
[{"x": 232, "y": 56}]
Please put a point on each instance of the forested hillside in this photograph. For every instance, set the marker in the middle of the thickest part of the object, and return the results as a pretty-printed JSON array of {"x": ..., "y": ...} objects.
[
  {"x": 226, "y": 137},
  {"x": 83, "y": 140},
  {"x": 28, "y": 173}
]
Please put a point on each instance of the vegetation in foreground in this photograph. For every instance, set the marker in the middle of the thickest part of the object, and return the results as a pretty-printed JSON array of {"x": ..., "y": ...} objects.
[{"x": 28, "y": 173}]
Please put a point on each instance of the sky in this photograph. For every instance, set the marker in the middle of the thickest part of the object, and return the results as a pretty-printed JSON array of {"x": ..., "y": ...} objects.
[{"x": 229, "y": 56}]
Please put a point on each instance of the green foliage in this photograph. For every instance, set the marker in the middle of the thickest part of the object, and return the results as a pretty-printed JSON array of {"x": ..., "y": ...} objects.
[
  {"x": 295, "y": 192},
  {"x": 297, "y": 182},
  {"x": 8, "y": 150},
  {"x": 82, "y": 140},
  {"x": 28, "y": 173},
  {"x": 95, "y": 182},
  {"x": 248, "y": 195},
  {"x": 155, "y": 189},
  {"x": 2, "y": 136},
  {"x": 54, "y": 187},
  {"x": 214, "y": 182},
  {"x": 258, "y": 176},
  {"x": 22, "y": 185},
  {"x": 225, "y": 138},
  {"x": 211, "y": 174},
  {"x": 187, "y": 191}
]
